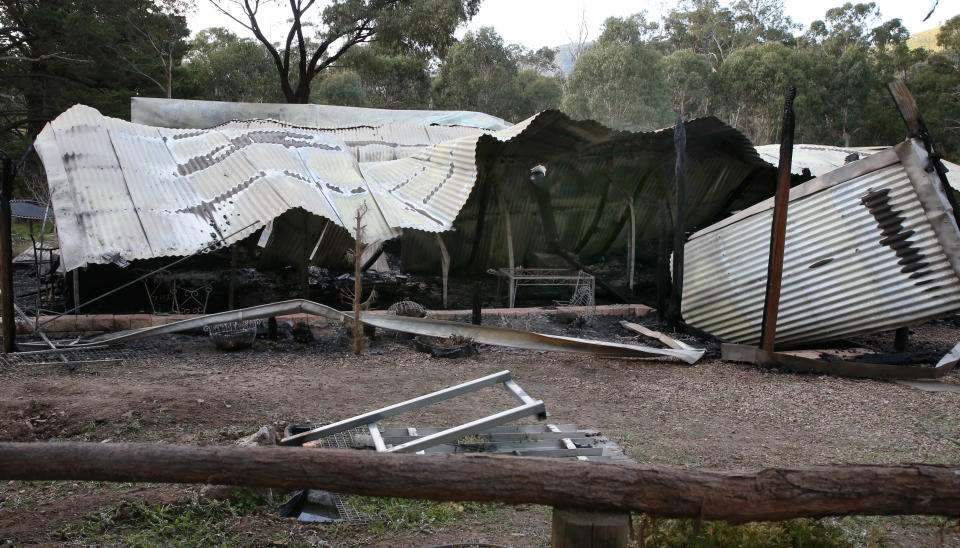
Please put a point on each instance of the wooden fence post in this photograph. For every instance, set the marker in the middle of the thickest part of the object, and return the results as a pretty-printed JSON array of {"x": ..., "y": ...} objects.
[{"x": 589, "y": 529}]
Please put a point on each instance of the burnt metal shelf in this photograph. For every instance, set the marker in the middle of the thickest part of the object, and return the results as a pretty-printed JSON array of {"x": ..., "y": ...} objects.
[{"x": 584, "y": 284}]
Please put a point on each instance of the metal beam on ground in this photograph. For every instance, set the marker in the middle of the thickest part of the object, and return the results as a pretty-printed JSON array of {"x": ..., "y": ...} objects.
[{"x": 396, "y": 409}]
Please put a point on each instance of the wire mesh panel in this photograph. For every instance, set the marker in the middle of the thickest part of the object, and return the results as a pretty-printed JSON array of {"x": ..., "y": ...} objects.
[
  {"x": 74, "y": 356},
  {"x": 345, "y": 503}
]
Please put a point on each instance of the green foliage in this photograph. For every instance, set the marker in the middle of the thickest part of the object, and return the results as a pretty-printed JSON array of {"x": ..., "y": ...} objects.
[
  {"x": 948, "y": 38},
  {"x": 388, "y": 79},
  {"x": 341, "y": 87},
  {"x": 56, "y": 53},
  {"x": 751, "y": 84},
  {"x": 736, "y": 61},
  {"x": 420, "y": 27},
  {"x": 620, "y": 81},
  {"x": 686, "y": 533},
  {"x": 393, "y": 514},
  {"x": 537, "y": 93},
  {"x": 220, "y": 66},
  {"x": 687, "y": 76},
  {"x": 481, "y": 73},
  {"x": 189, "y": 523}
]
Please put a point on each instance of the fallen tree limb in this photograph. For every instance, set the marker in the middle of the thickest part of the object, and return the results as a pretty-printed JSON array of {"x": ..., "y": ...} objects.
[{"x": 772, "y": 494}]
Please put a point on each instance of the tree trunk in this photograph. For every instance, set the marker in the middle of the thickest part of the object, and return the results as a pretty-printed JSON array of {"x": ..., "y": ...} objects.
[{"x": 772, "y": 494}]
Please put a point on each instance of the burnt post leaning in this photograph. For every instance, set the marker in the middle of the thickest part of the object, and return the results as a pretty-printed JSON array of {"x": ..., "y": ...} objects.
[{"x": 778, "y": 233}]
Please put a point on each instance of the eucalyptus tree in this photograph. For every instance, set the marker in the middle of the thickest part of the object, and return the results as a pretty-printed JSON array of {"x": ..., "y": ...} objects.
[{"x": 318, "y": 38}]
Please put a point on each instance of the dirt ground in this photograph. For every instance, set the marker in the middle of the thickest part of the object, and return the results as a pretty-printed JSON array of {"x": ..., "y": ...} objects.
[{"x": 713, "y": 415}]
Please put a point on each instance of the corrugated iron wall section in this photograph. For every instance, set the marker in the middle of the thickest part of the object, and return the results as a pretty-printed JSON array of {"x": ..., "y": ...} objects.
[
  {"x": 871, "y": 246},
  {"x": 592, "y": 173}
]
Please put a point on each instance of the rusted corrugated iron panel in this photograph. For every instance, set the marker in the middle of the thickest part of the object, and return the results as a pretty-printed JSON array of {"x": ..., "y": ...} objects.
[{"x": 870, "y": 246}]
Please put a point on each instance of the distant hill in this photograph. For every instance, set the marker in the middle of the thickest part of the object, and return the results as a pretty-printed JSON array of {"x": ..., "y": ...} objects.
[
  {"x": 926, "y": 39},
  {"x": 564, "y": 57}
]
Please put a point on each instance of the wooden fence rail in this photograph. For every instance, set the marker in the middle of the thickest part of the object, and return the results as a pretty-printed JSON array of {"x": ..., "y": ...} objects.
[{"x": 771, "y": 494}]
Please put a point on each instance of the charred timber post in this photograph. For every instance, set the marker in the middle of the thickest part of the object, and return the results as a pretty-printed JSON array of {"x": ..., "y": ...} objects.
[
  {"x": 778, "y": 234},
  {"x": 589, "y": 529},
  {"x": 663, "y": 260},
  {"x": 6, "y": 260},
  {"x": 772, "y": 494},
  {"x": 674, "y": 312},
  {"x": 477, "y": 311},
  {"x": 901, "y": 339},
  {"x": 231, "y": 290},
  {"x": 917, "y": 129}
]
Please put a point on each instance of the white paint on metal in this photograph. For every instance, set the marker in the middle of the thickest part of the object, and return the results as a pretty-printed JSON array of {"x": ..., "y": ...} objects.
[{"x": 132, "y": 191}]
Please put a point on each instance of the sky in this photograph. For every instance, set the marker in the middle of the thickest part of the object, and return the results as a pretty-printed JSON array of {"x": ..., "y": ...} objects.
[{"x": 538, "y": 23}]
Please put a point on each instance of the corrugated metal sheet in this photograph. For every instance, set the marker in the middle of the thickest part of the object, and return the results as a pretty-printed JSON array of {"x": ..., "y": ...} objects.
[
  {"x": 593, "y": 174},
  {"x": 822, "y": 159},
  {"x": 870, "y": 246},
  {"x": 184, "y": 113},
  {"x": 130, "y": 191}
]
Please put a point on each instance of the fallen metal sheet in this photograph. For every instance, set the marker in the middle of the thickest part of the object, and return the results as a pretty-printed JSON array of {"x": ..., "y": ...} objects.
[
  {"x": 930, "y": 386},
  {"x": 522, "y": 339},
  {"x": 530, "y": 407},
  {"x": 186, "y": 113},
  {"x": 665, "y": 339},
  {"x": 420, "y": 326},
  {"x": 528, "y": 440},
  {"x": 126, "y": 191},
  {"x": 870, "y": 246},
  {"x": 757, "y": 356},
  {"x": 594, "y": 177}
]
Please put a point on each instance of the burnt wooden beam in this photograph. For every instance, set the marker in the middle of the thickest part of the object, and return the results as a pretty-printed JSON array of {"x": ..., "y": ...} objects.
[
  {"x": 6, "y": 259},
  {"x": 778, "y": 233},
  {"x": 771, "y": 494},
  {"x": 901, "y": 339},
  {"x": 674, "y": 313},
  {"x": 663, "y": 260},
  {"x": 917, "y": 128}
]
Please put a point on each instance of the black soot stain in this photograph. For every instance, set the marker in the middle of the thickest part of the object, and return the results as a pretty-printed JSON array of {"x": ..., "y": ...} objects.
[{"x": 890, "y": 222}]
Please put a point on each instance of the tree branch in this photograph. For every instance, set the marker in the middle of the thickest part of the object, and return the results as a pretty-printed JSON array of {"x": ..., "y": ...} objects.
[
  {"x": 57, "y": 55},
  {"x": 282, "y": 68},
  {"x": 223, "y": 10}
]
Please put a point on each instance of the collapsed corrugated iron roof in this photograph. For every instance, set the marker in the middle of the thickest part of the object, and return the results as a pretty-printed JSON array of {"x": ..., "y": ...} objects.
[
  {"x": 870, "y": 246},
  {"x": 128, "y": 191}
]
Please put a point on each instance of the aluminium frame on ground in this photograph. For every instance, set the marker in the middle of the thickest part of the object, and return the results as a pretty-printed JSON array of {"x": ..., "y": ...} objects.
[{"x": 530, "y": 406}]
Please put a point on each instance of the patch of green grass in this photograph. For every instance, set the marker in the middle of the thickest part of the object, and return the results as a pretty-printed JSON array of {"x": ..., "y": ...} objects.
[
  {"x": 669, "y": 533},
  {"x": 187, "y": 523},
  {"x": 20, "y": 234},
  {"x": 392, "y": 514}
]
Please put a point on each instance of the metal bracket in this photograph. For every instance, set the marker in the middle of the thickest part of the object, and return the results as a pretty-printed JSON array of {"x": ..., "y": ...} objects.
[{"x": 530, "y": 407}]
